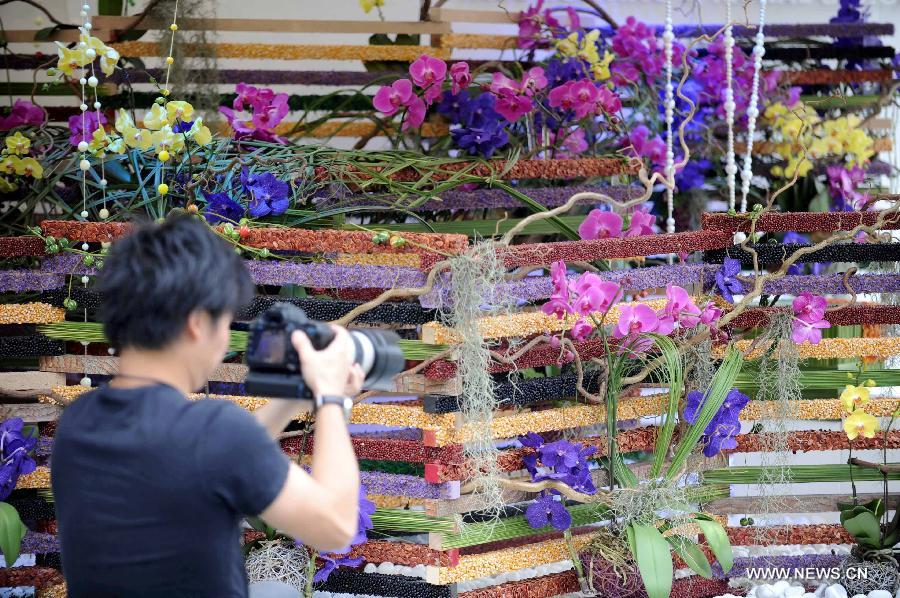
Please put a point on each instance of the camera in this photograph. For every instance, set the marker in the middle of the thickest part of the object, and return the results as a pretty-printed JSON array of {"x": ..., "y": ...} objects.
[{"x": 275, "y": 366}]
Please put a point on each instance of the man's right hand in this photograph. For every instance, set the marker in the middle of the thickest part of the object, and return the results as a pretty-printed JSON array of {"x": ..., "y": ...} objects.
[{"x": 330, "y": 371}]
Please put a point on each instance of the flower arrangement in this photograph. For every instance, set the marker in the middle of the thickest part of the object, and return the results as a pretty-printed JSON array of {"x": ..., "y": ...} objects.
[{"x": 17, "y": 444}]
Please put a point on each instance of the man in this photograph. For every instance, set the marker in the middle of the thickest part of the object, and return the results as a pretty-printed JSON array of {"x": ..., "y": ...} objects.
[{"x": 151, "y": 488}]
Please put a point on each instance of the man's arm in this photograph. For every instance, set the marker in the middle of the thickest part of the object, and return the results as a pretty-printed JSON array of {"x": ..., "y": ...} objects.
[{"x": 321, "y": 508}]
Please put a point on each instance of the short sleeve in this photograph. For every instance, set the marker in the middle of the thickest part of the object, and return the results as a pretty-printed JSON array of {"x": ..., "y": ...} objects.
[{"x": 241, "y": 464}]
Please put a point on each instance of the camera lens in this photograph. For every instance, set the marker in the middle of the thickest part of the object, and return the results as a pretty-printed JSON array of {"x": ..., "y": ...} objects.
[{"x": 378, "y": 354}]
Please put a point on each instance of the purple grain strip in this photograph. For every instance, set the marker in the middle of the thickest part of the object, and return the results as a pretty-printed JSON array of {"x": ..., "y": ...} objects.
[
  {"x": 18, "y": 281},
  {"x": 272, "y": 272},
  {"x": 826, "y": 284},
  {"x": 393, "y": 484},
  {"x": 39, "y": 543}
]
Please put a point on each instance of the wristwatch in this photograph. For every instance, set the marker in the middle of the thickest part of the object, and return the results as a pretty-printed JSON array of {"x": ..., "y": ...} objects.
[{"x": 345, "y": 402}]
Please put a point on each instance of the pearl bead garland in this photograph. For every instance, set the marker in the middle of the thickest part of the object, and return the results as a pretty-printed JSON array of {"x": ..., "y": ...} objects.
[
  {"x": 668, "y": 40},
  {"x": 730, "y": 165},
  {"x": 759, "y": 51}
]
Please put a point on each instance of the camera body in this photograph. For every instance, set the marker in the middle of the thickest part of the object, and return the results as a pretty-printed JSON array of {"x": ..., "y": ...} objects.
[{"x": 275, "y": 365}]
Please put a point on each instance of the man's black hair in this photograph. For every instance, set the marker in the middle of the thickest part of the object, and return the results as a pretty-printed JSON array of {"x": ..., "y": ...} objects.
[{"x": 158, "y": 274}]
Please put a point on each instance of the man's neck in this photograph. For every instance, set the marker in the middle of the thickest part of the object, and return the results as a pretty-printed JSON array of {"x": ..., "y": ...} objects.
[{"x": 137, "y": 367}]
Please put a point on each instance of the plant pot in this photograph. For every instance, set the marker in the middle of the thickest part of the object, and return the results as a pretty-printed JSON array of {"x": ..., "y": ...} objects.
[{"x": 860, "y": 575}]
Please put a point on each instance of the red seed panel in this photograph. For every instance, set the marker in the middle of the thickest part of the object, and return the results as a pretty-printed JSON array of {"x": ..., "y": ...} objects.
[
  {"x": 844, "y": 316},
  {"x": 21, "y": 246},
  {"x": 801, "y": 222},
  {"x": 789, "y": 534},
  {"x": 386, "y": 449}
]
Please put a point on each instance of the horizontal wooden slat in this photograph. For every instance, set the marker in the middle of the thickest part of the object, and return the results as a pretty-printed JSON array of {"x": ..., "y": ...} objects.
[
  {"x": 31, "y": 413},
  {"x": 276, "y": 25},
  {"x": 813, "y": 503},
  {"x": 28, "y": 385}
]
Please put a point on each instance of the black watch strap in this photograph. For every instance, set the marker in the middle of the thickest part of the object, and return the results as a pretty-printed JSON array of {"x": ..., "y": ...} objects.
[{"x": 346, "y": 403}]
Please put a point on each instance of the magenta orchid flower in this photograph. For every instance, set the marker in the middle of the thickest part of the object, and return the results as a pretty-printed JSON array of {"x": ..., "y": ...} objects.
[
  {"x": 428, "y": 73},
  {"x": 811, "y": 332},
  {"x": 608, "y": 101},
  {"x": 460, "y": 77},
  {"x": 415, "y": 113},
  {"x": 390, "y": 98},
  {"x": 680, "y": 307},
  {"x": 559, "y": 280},
  {"x": 601, "y": 225},
  {"x": 500, "y": 84},
  {"x": 23, "y": 113},
  {"x": 511, "y": 106},
  {"x": 597, "y": 298},
  {"x": 636, "y": 319},
  {"x": 711, "y": 314},
  {"x": 809, "y": 307},
  {"x": 582, "y": 329},
  {"x": 579, "y": 96},
  {"x": 557, "y": 306},
  {"x": 641, "y": 223},
  {"x": 533, "y": 81}
]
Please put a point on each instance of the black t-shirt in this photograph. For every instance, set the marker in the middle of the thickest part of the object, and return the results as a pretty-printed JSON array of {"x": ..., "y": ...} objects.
[{"x": 150, "y": 489}]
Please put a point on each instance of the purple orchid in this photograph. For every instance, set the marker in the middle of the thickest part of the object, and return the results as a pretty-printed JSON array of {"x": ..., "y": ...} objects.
[
  {"x": 332, "y": 561},
  {"x": 15, "y": 451},
  {"x": 561, "y": 455},
  {"x": 725, "y": 425},
  {"x": 221, "y": 208},
  {"x": 545, "y": 511},
  {"x": 256, "y": 112},
  {"x": 727, "y": 281},
  {"x": 82, "y": 126},
  {"x": 268, "y": 194},
  {"x": 23, "y": 114},
  {"x": 329, "y": 564}
]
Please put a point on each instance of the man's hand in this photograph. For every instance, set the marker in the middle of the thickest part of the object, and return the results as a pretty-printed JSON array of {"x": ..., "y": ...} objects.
[{"x": 330, "y": 371}]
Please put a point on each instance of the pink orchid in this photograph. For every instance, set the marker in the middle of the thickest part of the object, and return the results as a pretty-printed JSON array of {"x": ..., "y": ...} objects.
[
  {"x": 600, "y": 225},
  {"x": 553, "y": 341},
  {"x": 557, "y": 306},
  {"x": 23, "y": 113},
  {"x": 533, "y": 80},
  {"x": 578, "y": 96},
  {"x": 666, "y": 324},
  {"x": 681, "y": 307},
  {"x": 642, "y": 222},
  {"x": 415, "y": 113},
  {"x": 597, "y": 297},
  {"x": 460, "y": 76},
  {"x": 808, "y": 331},
  {"x": 500, "y": 84},
  {"x": 636, "y": 319},
  {"x": 809, "y": 307},
  {"x": 710, "y": 314},
  {"x": 560, "y": 282},
  {"x": 512, "y": 107},
  {"x": 608, "y": 101},
  {"x": 573, "y": 142},
  {"x": 427, "y": 71},
  {"x": 582, "y": 329},
  {"x": 390, "y": 98}
]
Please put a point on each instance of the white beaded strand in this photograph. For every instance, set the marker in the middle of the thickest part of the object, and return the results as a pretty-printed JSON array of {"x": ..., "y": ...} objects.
[
  {"x": 668, "y": 41},
  {"x": 759, "y": 50},
  {"x": 84, "y": 164},
  {"x": 730, "y": 162}
]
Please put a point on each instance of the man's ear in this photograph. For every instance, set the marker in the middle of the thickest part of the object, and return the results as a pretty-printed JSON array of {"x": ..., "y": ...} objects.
[{"x": 197, "y": 322}]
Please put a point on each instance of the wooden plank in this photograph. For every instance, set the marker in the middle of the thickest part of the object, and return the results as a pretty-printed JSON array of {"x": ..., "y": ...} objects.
[
  {"x": 28, "y": 385},
  {"x": 460, "y": 15},
  {"x": 418, "y": 384},
  {"x": 813, "y": 503},
  {"x": 32, "y": 412},
  {"x": 90, "y": 364},
  {"x": 276, "y": 25}
]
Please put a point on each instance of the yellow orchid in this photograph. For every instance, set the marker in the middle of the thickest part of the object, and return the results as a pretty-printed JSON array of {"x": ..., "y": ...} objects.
[
  {"x": 123, "y": 121},
  {"x": 600, "y": 69},
  {"x": 7, "y": 186},
  {"x": 108, "y": 60},
  {"x": 178, "y": 110},
  {"x": 200, "y": 133},
  {"x": 860, "y": 423},
  {"x": 99, "y": 141},
  {"x": 854, "y": 397},
  {"x": 165, "y": 139},
  {"x": 29, "y": 167},
  {"x": 140, "y": 139},
  {"x": 70, "y": 59},
  {"x": 368, "y": 5},
  {"x": 91, "y": 42},
  {"x": 18, "y": 144},
  {"x": 9, "y": 164},
  {"x": 568, "y": 46},
  {"x": 117, "y": 146},
  {"x": 588, "y": 48},
  {"x": 156, "y": 118}
]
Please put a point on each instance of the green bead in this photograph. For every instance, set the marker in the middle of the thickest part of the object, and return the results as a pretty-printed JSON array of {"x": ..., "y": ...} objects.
[
  {"x": 264, "y": 252},
  {"x": 88, "y": 260}
]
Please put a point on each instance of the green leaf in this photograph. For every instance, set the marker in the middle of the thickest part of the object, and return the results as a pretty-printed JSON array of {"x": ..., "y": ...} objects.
[
  {"x": 864, "y": 528},
  {"x": 43, "y": 35},
  {"x": 673, "y": 371},
  {"x": 720, "y": 386},
  {"x": 654, "y": 560},
  {"x": 718, "y": 541},
  {"x": 691, "y": 554},
  {"x": 12, "y": 530}
]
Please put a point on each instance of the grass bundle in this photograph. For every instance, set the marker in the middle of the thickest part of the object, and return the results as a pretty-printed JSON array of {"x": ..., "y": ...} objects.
[{"x": 799, "y": 474}]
